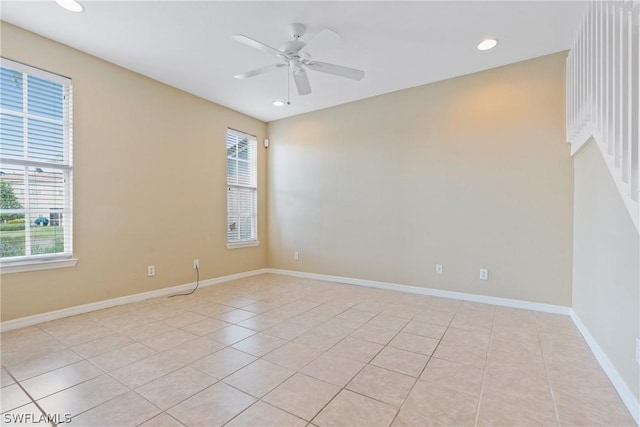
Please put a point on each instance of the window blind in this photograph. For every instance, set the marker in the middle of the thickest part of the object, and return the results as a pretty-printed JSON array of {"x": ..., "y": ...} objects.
[
  {"x": 35, "y": 163},
  {"x": 242, "y": 188}
]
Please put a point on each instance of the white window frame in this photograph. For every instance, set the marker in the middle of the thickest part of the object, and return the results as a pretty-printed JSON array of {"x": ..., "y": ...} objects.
[
  {"x": 55, "y": 260},
  {"x": 253, "y": 166}
]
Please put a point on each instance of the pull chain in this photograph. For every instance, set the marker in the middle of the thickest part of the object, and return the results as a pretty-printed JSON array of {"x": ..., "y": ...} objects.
[{"x": 288, "y": 87}]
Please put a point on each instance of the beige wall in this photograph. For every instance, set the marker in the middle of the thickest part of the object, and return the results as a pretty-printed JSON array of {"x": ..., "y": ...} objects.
[
  {"x": 470, "y": 172},
  {"x": 606, "y": 275},
  {"x": 149, "y": 186}
]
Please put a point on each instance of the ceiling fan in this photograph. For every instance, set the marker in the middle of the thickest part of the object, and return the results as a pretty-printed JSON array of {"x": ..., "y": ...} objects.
[{"x": 296, "y": 55}]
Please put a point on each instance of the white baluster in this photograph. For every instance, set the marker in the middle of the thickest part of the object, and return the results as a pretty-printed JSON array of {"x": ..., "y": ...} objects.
[{"x": 603, "y": 91}]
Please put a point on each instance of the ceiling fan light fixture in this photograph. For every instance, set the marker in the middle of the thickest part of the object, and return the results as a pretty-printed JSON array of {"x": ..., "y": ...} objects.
[
  {"x": 487, "y": 44},
  {"x": 278, "y": 103}
]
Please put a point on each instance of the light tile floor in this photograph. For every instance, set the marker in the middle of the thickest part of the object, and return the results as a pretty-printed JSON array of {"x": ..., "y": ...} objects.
[{"x": 280, "y": 351}]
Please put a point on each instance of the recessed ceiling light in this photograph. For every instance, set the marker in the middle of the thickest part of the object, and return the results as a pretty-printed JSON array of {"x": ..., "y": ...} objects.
[
  {"x": 71, "y": 5},
  {"x": 278, "y": 103},
  {"x": 487, "y": 44}
]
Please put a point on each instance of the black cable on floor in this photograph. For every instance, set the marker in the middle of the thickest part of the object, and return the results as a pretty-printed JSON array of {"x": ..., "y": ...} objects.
[{"x": 194, "y": 289}]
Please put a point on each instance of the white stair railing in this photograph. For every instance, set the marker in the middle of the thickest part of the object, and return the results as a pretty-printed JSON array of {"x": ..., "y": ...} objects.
[{"x": 603, "y": 92}]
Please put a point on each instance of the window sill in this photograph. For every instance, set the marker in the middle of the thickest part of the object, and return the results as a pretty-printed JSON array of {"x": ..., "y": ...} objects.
[
  {"x": 35, "y": 265},
  {"x": 243, "y": 244}
]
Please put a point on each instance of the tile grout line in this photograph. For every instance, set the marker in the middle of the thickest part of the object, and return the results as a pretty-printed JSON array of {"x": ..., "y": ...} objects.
[
  {"x": 255, "y": 403},
  {"x": 66, "y": 388},
  {"x": 484, "y": 371},
  {"x": 30, "y": 397},
  {"x": 327, "y": 351},
  {"x": 546, "y": 371},
  {"x": 295, "y": 372},
  {"x": 376, "y": 355},
  {"x": 428, "y": 361},
  {"x": 344, "y": 387}
]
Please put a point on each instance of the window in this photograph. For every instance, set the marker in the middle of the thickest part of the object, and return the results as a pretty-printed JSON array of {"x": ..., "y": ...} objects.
[
  {"x": 35, "y": 166},
  {"x": 242, "y": 189}
]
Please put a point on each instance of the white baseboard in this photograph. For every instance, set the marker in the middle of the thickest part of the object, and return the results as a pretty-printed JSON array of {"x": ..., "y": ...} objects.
[
  {"x": 621, "y": 387},
  {"x": 504, "y": 302},
  {"x": 85, "y": 308}
]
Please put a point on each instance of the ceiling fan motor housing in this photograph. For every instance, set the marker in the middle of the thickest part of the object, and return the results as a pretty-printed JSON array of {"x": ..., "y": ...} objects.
[
  {"x": 297, "y": 30},
  {"x": 292, "y": 47}
]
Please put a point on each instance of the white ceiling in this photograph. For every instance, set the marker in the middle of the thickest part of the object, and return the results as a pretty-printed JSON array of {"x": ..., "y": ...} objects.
[{"x": 187, "y": 44}]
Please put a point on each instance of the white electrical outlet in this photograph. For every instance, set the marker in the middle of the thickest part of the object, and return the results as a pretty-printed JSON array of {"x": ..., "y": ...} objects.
[
  {"x": 438, "y": 268},
  {"x": 196, "y": 263},
  {"x": 296, "y": 256},
  {"x": 638, "y": 351},
  {"x": 484, "y": 274},
  {"x": 151, "y": 270}
]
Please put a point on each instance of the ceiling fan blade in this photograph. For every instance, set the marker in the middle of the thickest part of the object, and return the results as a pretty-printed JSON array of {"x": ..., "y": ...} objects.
[
  {"x": 302, "y": 82},
  {"x": 336, "y": 70},
  {"x": 256, "y": 44},
  {"x": 258, "y": 71},
  {"x": 324, "y": 39}
]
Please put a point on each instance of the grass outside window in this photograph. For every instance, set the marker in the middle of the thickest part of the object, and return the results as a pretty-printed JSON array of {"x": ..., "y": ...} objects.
[{"x": 44, "y": 240}]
